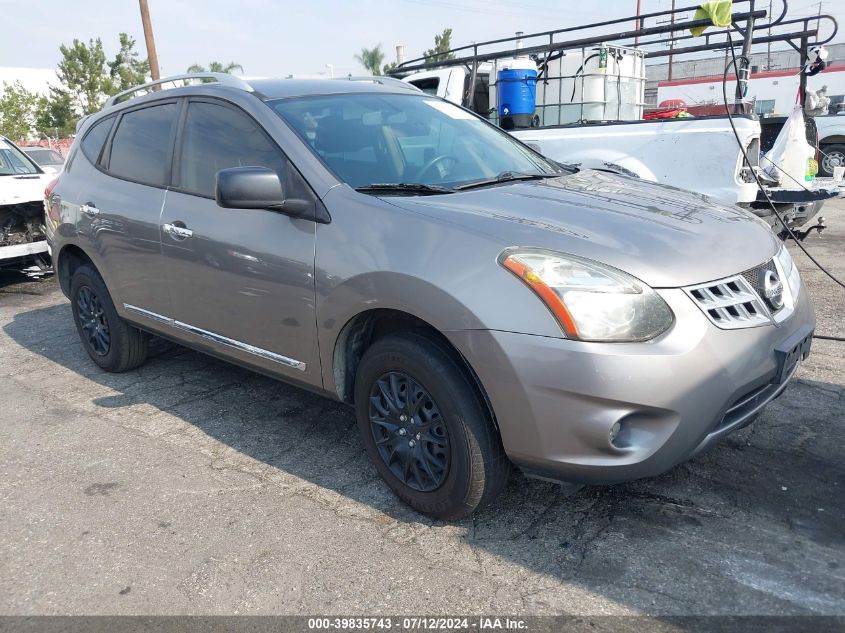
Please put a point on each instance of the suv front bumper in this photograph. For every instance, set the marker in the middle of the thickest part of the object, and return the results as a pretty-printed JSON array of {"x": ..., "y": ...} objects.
[{"x": 556, "y": 400}]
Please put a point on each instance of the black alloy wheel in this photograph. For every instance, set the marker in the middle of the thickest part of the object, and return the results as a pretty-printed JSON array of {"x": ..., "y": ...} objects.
[
  {"x": 409, "y": 431},
  {"x": 92, "y": 320},
  {"x": 112, "y": 343},
  {"x": 426, "y": 426}
]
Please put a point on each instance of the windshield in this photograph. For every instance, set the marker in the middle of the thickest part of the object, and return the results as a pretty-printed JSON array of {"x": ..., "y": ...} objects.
[
  {"x": 377, "y": 139},
  {"x": 45, "y": 156},
  {"x": 13, "y": 162}
]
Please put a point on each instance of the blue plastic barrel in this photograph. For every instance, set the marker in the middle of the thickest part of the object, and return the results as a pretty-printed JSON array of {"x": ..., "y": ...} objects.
[{"x": 516, "y": 94}]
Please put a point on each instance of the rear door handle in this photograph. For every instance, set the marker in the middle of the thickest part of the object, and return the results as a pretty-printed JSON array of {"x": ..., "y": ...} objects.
[
  {"x": 89, "y": 209},
  {"x": 178, "y": 233}
]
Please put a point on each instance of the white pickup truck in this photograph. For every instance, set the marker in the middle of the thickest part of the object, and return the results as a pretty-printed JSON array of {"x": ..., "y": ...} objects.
[
  {"x": 831, "y": 131},
  {"x": 22, "y": 183},
  {"x": 697, "y": 154}
]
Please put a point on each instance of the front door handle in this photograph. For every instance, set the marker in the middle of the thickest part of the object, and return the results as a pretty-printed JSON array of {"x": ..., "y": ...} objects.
[
  {"x": 177, "y": 232},
  {"x": 89, "y": 209}
]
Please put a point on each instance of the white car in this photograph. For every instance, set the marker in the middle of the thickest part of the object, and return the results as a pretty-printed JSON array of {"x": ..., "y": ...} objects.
[
  {"x": 48, "y": 159},
  {"x": 22, "y": 235}
]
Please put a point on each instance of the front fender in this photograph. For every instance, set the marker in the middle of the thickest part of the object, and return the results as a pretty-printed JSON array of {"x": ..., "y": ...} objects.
[{"x": 386, "y": 291}]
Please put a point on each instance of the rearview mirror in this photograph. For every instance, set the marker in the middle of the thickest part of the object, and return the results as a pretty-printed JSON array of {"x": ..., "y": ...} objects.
[{"x": 248, "y": 188}]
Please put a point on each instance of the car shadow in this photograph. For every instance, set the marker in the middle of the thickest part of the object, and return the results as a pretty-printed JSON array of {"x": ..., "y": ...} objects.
[{"x": 754, "y": 525}]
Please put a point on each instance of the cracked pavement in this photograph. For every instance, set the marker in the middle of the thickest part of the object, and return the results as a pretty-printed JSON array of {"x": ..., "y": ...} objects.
[{"x": 190, "y": 486}]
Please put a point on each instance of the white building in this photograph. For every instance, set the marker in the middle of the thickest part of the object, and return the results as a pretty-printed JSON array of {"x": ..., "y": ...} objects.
[
  {"x": 37, "y": 80},
  {"x": 773, "y": 86}
]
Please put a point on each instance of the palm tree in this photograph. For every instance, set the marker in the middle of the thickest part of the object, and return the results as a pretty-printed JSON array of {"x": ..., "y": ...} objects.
[
  {"x": 371, "y": 59},
  {"x": 216, "y": 67}
]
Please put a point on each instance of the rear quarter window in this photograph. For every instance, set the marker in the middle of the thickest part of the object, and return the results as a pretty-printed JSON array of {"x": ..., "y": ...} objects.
[
  {"x": 140, "y": 148},
  {"x": 92, "y": 143}
]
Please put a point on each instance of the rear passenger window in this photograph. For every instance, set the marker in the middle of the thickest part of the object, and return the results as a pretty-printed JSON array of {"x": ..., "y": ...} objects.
[
  {"x": 92, "y": 144},
  {"x": 140, "y": 148},
  {"x": 217, "y": 137}
]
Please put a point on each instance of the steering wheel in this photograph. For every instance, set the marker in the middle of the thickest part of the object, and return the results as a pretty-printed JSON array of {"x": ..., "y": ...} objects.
[{"x": 435, "y": 162}]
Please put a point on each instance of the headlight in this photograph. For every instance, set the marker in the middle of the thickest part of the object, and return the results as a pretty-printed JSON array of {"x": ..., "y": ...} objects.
[
  {"x": 591, "y": 301},
  {"x": 790, "y": 272}
]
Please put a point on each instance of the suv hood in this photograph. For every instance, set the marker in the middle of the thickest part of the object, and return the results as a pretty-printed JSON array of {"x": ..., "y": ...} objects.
[
  {"x": 18, "y": 189},
  {"x": 666, "y": 237}
]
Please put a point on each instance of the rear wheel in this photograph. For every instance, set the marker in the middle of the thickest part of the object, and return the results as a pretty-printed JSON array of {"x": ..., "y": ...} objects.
[
  {"x": 832, "y": 156},
  {"x": 110, "y": 341},
  {"x": 426, "y": 428}
]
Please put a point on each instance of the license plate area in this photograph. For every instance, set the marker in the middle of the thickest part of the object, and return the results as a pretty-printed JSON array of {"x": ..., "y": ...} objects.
[{"x": 789, "y": 353}]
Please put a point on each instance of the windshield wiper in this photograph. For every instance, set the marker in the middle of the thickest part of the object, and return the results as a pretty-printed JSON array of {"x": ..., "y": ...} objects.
[
  {"x": 505, "y": 176},
  {"x": 404, "y": 188}
]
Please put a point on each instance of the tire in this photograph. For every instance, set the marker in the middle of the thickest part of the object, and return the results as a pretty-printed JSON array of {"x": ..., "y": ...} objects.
[
  {"x": 453, "y": 462},
  {"x": 832, "y": 156},
  {"x": 110, "y": 341}
]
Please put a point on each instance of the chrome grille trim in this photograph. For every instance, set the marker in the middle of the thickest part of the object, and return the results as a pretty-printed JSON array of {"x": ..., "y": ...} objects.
[
  {"x": 755, "y": 276},
  {"x": 731, "y": 303}
]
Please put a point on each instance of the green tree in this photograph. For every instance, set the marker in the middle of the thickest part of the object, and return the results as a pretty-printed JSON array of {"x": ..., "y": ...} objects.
[
  {"x": 127, "y": 69},
  {"x": 54, "y": 115},
  {"x": 88, "y": 76},
  {"x": 371, "y": 59},
  {"x": 216, "y": 67},
  {"x": 17, "y": 111},
  {"x": 388, "y": 68},
  {"x": 442, "y": 46},
  {"x": 83, "y": 74}
]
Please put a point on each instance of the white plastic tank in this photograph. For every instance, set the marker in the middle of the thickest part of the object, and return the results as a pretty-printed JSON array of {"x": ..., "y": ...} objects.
[{"x": 605, "y": 83}]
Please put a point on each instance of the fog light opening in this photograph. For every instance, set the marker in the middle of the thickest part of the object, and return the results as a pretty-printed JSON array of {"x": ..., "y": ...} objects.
[{"x": 614, "y": 432}]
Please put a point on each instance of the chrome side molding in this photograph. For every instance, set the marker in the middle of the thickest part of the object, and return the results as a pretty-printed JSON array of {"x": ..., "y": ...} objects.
[
  {"x": 150, "y": 315},
  {"x": 218, "y": 338}
]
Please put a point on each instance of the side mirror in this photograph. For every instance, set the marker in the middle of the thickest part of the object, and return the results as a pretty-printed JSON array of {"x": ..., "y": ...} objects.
[
  {"x": 248, "y": 188},
  {"x": 257, "y": 188}
]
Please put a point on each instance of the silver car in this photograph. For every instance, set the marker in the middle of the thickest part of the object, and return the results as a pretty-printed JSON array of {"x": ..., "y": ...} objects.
[
  {"x": 48, "y": 159},
  {"x": 477, "y": 304}
]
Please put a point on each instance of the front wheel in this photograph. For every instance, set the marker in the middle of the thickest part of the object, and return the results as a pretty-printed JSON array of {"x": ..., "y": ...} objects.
[
  {"x": 425, "y": 427},
  {"x": 110, "y": 341}
]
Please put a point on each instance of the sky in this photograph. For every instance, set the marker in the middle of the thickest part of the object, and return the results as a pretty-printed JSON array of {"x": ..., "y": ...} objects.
[{"x": 283, "y": 37}]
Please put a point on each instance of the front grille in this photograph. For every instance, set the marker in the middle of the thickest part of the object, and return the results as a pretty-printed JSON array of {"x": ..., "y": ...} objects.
[
  {"x": 735, "y": 302},
  {"x": 756, "y": 275}
]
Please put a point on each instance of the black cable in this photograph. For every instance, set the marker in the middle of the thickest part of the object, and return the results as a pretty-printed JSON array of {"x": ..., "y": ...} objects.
[
  {"x": 829, "y": 338},
  {"x": 578, "y": 72},
  {"x": 789, "y": 232},
  {"x": 760, "y": 184}
]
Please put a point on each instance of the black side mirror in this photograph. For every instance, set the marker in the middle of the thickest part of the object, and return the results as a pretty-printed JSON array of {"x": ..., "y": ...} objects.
[
  {"x": 257, "y": 188},
  {"x": 248, "y": 188}
]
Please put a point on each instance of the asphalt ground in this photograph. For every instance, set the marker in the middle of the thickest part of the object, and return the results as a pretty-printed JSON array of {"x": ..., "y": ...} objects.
[{"x": 190, "y": 486}]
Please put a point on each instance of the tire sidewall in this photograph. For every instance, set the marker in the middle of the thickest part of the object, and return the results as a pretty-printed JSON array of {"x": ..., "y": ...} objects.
[
  {"x": 85, "y": 276},
  {"x": 456, "y": 403},
  {"x": 830, "y": 149}
]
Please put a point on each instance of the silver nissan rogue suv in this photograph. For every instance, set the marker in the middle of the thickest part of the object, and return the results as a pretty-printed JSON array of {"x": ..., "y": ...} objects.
[{"x": 479, "y": 305}]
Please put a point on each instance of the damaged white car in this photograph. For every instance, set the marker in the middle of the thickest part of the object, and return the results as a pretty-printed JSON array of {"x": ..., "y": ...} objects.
[{"x": 23, "y": 243}]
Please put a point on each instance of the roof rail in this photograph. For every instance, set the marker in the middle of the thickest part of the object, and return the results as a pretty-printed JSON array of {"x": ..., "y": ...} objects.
[
  {"x": 384, "y": 80},
  {"x": 224, "y": 79}
]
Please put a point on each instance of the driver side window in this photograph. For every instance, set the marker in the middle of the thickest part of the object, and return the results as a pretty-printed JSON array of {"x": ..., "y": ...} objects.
[{"x": 217, "y": 137}]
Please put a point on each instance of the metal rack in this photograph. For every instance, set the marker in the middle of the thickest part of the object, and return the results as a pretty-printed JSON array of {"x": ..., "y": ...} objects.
[{"x": 749, "y": 22}]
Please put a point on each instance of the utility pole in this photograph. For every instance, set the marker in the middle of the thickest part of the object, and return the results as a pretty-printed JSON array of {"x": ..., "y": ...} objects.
[
  {"x": 638, "y": 26},
  {"x": 769, "y": 45},
  {"x": 671, "y": 41},
  {"x": 148, "y": 36}
]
